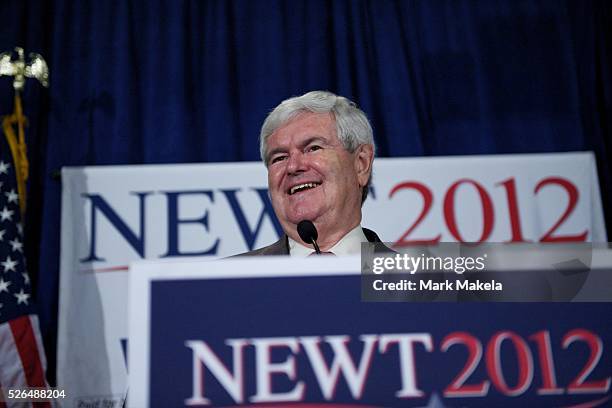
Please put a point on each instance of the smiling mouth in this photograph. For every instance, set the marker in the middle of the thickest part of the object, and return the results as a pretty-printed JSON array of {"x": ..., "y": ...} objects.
[{"x": 302, "y": 187}]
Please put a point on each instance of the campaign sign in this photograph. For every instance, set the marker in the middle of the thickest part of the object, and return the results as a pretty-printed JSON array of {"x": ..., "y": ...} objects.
[
  {"x": 112, "y": 215},
  {"x": 295, "y": 333}
]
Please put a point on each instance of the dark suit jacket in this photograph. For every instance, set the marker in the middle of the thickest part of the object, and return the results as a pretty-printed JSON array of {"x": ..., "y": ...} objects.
[{"x": 281, "y": 247}]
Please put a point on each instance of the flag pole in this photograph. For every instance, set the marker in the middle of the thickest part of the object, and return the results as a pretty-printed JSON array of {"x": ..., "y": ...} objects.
[{"x": 20, "y": 70}]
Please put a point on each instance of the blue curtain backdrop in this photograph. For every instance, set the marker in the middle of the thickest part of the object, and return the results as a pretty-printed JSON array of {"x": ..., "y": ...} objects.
[{"x": 191, "y": 81}]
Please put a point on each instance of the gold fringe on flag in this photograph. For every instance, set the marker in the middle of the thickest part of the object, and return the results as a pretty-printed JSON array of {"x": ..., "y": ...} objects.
[
  {"x": 18, "y": 148},
  {"x": 20, "y": 71}
]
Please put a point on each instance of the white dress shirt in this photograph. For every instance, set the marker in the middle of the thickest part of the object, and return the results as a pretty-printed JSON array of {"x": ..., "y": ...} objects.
[{"x": 350, "y": 244}]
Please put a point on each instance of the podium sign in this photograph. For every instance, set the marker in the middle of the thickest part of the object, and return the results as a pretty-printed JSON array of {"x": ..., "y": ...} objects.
[
  {"x": 112, "y": 215},
  {"x": 289, "y": 332}
]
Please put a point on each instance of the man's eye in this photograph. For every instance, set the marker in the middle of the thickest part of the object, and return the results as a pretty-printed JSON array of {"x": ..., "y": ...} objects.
[
  {"x": 314, "y": 148},
  {"x": 277, "y": 159}
]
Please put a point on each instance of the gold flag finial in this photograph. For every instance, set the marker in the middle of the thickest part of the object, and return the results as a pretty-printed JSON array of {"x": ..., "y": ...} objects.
[
  {"x": 20, "y": 70},
  {"x": 36, "y": 68}
]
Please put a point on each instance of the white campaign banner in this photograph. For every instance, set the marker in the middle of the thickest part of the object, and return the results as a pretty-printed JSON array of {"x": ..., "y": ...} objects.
[{"x": 117, "y": 214}]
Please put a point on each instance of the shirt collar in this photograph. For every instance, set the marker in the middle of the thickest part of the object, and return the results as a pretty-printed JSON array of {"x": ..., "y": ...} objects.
[{"x": 350, "y": 244}]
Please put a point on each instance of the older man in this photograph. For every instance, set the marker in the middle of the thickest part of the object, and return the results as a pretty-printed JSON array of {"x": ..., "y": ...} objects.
[{"x": 319, "y": 150}]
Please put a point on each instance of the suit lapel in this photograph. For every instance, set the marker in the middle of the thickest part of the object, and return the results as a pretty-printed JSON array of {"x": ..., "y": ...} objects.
[{"x": 280, "y": 247}]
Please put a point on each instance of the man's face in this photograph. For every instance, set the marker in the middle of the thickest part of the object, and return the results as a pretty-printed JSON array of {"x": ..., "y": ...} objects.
[{"x": 311, "y": 176}]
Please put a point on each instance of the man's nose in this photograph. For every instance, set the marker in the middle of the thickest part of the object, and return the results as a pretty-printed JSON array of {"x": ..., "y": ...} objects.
[{"x": 296, "y": 163}]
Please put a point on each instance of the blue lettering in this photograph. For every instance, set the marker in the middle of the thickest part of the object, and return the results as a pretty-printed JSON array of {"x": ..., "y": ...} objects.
[
  {"x": 174, "y": 222},
  {"x": 100, "y": 204},
  {"x": 250, "y": 236},
  {"x": 372, "y": 192}
]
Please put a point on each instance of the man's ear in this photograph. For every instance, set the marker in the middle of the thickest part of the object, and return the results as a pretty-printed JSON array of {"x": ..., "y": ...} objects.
[{"x": 364, "y": 155}]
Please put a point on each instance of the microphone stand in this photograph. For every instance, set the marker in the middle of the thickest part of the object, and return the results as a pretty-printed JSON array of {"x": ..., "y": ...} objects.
[{"x": 316, "y": 247}]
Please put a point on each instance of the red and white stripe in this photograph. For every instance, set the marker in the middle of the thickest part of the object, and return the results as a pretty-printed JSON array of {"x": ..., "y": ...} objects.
[{"x": 22, "y": 358}]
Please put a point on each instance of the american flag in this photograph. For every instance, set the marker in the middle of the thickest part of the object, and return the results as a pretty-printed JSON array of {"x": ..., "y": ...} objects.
[{"x": 22, "y": 358}]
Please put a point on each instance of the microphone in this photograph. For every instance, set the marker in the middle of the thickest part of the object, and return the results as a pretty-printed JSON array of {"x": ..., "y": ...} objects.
[{"x": 308, "y": 232}]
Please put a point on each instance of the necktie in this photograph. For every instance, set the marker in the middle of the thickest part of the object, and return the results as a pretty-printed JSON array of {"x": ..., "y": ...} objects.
[{"x": 322, "y": 253}]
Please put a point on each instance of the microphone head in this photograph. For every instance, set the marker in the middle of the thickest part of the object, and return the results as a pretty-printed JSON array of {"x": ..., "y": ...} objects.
[{"x": 307, "y": 231}]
